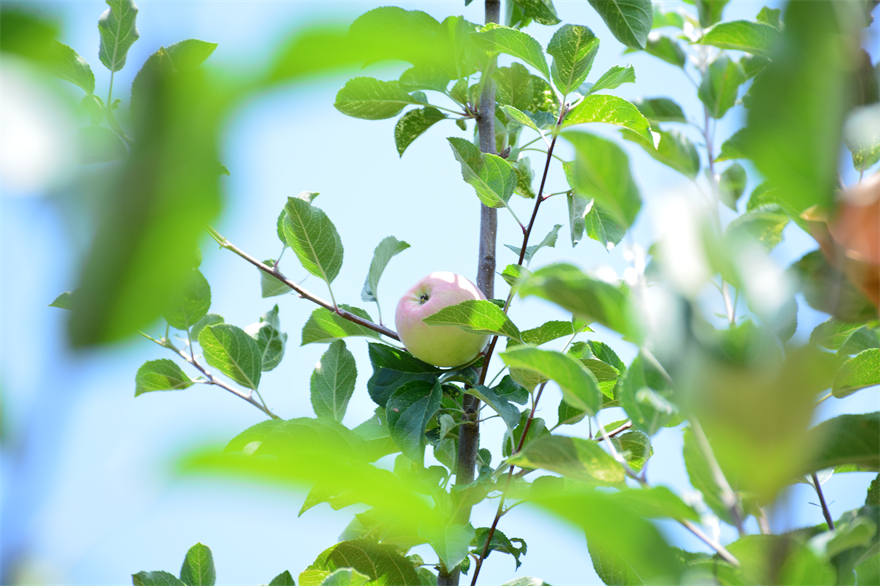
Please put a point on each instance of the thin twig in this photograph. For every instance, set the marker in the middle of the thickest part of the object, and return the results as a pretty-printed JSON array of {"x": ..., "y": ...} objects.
[
  {"x": 303, "y": 293},
  {"x": 728, "y": 496},
  {"x": 825, "y": 510},
  {"x": 728, "y": 557}
]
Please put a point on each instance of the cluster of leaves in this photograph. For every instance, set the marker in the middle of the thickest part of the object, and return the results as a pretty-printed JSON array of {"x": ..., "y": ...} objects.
[
  {"x": 198, "y": 570},
  {"x": 716, "y": 378}
]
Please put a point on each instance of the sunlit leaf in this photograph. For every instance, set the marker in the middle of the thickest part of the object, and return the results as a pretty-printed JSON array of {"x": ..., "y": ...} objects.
[
  {"x": 501, "y": 39},
  {"x": 313, "y": 238},
  {"x": 572, "y": 457},
  {"x": 372, "y": 99},
  {"x": 413, "y": 124},
  {"x": 675, "y": 150},
  {"x": 198, "y": 567},
  {"x": 578, "y": 384},
  {"x": 614, "y": 78},
  {"x": 234, "y": 353},
  {"x": 69, "y": 66},
  {"x": 326, "y": 326},
  {"x": 118, "y": 32},
  {"x": 628, "y": 20},
  {"x": 492, "y": 177},
  {"x": 477, "y": 316},
  {"x": 573, "y": 49},
  {"x": 741, "y": 35},
  {"x": 160, "y": 375},
  {"x": 609, "y": 110},
  {"x": 191, "y": 303},
  {"x": 332, "y": 383},
  {"x": 720, "y": 86}
]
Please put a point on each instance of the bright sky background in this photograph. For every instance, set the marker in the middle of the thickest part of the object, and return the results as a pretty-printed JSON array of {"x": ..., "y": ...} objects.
[{"x": 89, "y": 493}]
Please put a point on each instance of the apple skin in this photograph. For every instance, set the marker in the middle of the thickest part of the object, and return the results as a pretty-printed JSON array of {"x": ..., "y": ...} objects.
[{"x": 437, "y": 345}]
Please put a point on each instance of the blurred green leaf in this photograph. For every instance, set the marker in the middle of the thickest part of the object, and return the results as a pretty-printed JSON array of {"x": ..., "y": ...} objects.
[
  {"x": 861, "y": 134},
  {"x": 660, "y": 110},
  {"x": 628, "y": 21},
  {"x": 345, "y": 577},
  {"x": 572, "y": 457},
  {"x": 499, "y": 543},
  {"x": 190, "y": 303},
  {"x": 160, "y": 375},
  {"x": 476, "y": 316},
  {"x": 601, "y": 171},
  {"x": 666, "y": 18},
  {"x": 198, "y": 567},
  {"x": 314, "y": 239},
  {"x": 413, "y": 124},
  {"x": 731, "y": 185},
  {"x": 578, "y": 384},
  {"x": 69, "y": 66},
  {"x": 732, "y": 148},
  {"x": 372, "y": 99},
  {"x": 667, "y": 49},
  {"x": 97, "y": 144},
  {"x": 741, "y": 35},
  {"x": 492, "y": 177},
  {"x": 155, "y": 579},
  {"x": 702, "y": 479},
  {"x": 834, "y": 334},
  {"x": 655, "y": 503},
  {"x": 118, "y": 32},
  {"x": 635, "y": 447},
  {"x": 779, "y": 559},
  {"x": 394, "y": 367},
  {"x": 720, "y": 86},
  {"x": 234, "y": 353},
  {"x": 450, "y": 542},
  {"x": 27, "y": 33},
  {"x": 501, "y": 39},
  {"x": 847, "y": 439},
  {"x": 424, "y": 78},
  {"x": 573, "y": 49},
  {"x": 578, "y": 209},
  {"x": 765, "y": 224},
  {"x": 190, "y": 53},
  {"x": 610, "y": 110},
  {"x": 209, "y": 320},
  {"x": 409, "y": 409},
  {"x": 646, "y": 397},
  {"x": 710, "y": 11},
  {"x": 675, "y": 150},
  {"x": 333, "y": 380},
  {"x": 390, "y": 32},
  {"x": 614, "y": 78},
  {"x": 827, "y": 289},
  {"x": 325, "y": 326}
]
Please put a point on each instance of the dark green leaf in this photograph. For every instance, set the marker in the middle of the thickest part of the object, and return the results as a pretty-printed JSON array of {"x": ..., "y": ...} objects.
[
  {"x": 392, "y": 368},
  {"x": 720, "y": 86},
  {"x": 578, "y": 384},
  {"x": 549, "y": 240},
  {"x": 601, "y": 171},
  {"x": 371, "y": 99},
  {"x": 476, "y": 316},
  {"x": 613, "y": 78},
  {"x": 509, "y": 414},
  {"x": 269, "y": 338},
  {"x": 63, "y": 301},
  {"x": 741, "y": 35},
  {"x": 198, "y": 567},
  {"x": 501, "y": 39},
  {"x": 732, "y": 148},
  {"x": 332, "y": 382},
  {"x": 859, "y": 372},
  {"x": 541, "y": 11},
  {"x": 827, "y": 289},
  {"x": 667, "y": 49},
  {"x": 675, "y": 150},
  {"x": 573, "y": 49},
  {"x": 97, "y": 144},
  {"x": 314, "y": 239},
  {"x": 155, "y": 579},
  {"x": 282, "y": 579},
  {"x": 69, "y": 66},
  {"x": 710, "y": 11},
  {"x": 732, "y": 184},
  {"x": 524, "y": 178},
  {"x": 234, "y": 353},
  {"x": 660, "y": 110},
  {"x": 326, "y": 326},
  {"x": 409, "y": 409},
  {"x": 492, "y": 177},
  {"x": 873, "y": 496},
  {"x": 610, "y": 110},
  {"x": 413, "y": 124},
  {"x": 628, "y": 20},
  {"x": 269, "y": 285},
  {"x": 499, "y": 543},
  {"x": 583, "y": 295},
  {"x": 190, "y": 303},
  {"x": 387, "y": 249},
  {"x": 118, "y": 32},
  {"x": 847, "y": 439},
  {"x": 160, "y": 375},
  {"x": 189, "y": 54},
  {"x": 574, "y": 458}
]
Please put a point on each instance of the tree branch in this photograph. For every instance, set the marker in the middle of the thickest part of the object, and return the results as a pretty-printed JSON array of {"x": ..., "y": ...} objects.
[
  {"x": 303, "y": 293},
  {"x": 825, "y": 511}
]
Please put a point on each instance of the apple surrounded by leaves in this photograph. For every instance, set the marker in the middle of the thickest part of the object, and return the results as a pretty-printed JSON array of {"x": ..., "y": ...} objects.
[{"x": 437, "y": 345}]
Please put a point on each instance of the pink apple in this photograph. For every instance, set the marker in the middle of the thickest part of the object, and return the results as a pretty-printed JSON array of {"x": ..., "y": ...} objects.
[{"x": 437, "y": 345}]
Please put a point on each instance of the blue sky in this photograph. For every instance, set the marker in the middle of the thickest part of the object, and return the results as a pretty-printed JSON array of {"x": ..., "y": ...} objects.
[{"x": 88, "y": 487}]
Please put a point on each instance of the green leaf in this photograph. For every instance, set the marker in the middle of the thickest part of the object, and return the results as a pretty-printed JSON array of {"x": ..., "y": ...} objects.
[
  {"x": 742, "y": 35},
  {"x": 413, "y": 124},
  {"x": 509, "y": 414},
  {"x": 378, "y": 561},
  {"x": 393, "y": 368},
  {"x": 548, "y": 331},
  {"x": 667, "y": 49},
  {"x": 387, "y": 249},
  {"x": 764, "y": 224},
  {"x": 160, "y": 375},
  {"x": 663, "y": 19},
  {"x": 524, "y": 178},
  {"x": 209, "y": 320},
  {"x": 409, "y": 409},
  {"x": 583, "y": 295},
  {"x": 610, "y": 110},
  {"x": 233, "y": 352},
  {"x": 635, "y": 447},
  {"x": 645, "y": 396},
  {"x": 63, "y": 301},
  {"x": 613, "y": 78},
  {"x": 332, "y": 382},
  {"x": 519, "y": 116},
  {"x": 450, "y": 542},
  {"x": 476, "y": 316},
  {"x": 578, "y": 209},
  {"x": 189, "y": 54},
  {"x": 675, "y": 150},
  {"x": 601, "y": 171},
  {"x": 656, "y": 502},
  {"x": 628, "y": 20},
  {"x": 573, "y": 49},
  {"x": 769, "y": 16},
  {"x": 732, "y": 184},
  {"x": 501, "y": 39},
  {"x": 572, "y": 457},
  {"x": 269, "y": 338},
  {"x": 190, "y": 303},
  {"x": 118, "y": 32},
  {"x": 282, "y": 579},
  {"x": 325, "y": 326},
  {"x": 155, "y": 579},
  {"x": 834, "y": 334},
  {"x": 732, "y": 148},
  {"x": 198, "y": 567},
  {"x": 541, "y": 11},
  {"x": 269, "y": 285},
  {"x": 702, "y": 479},
  {"x": 314, "y": 239},
  {"x": 578, "y": 384},
  {"x": 873, "y": 496},
  {"x": 827, "y": 289},
  {"x": 501, "y": 543},
  {"x": 427, "y": 77},
  {"x": 492, "y": 177},
  {"x": 660, "y": 110},
  {"x": 372, "y": 99},
  {"x": 514, "y": 86},
  {"x": 67, "y": 64},
  {"x": 97, "y": 144},
  {"x": 859, "y": 372},
  {"x": 710, "y": 11},
  {"x": 720, "y": 86},
  {"x": 549, "y": 240},
  {"x": 847, "y": 439}
]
